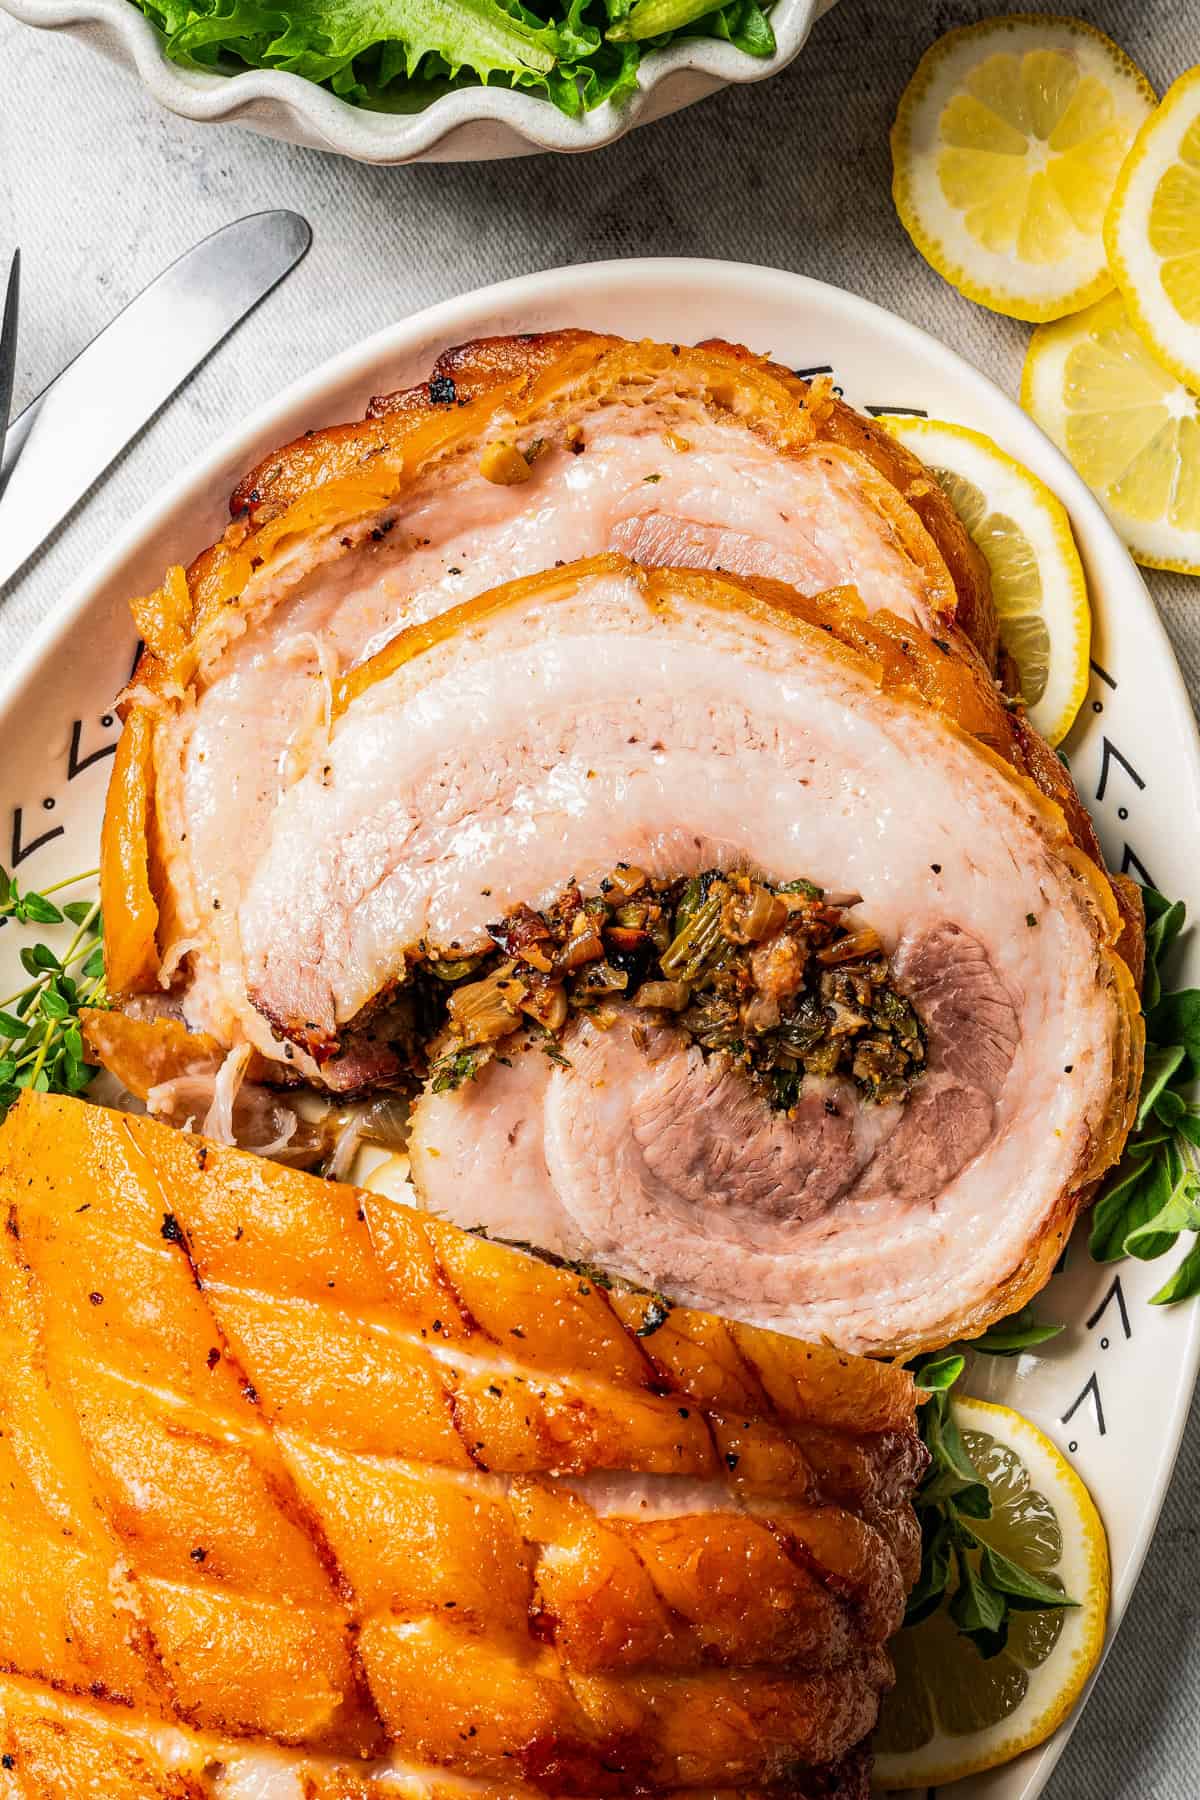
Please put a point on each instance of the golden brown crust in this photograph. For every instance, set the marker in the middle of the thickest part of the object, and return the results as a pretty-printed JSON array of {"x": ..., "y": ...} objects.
[
  {"x": 469, "y": 371},
  {"x": 537, "y": 379},
  {"x": 57, "y": 1747},
  {"x": 975, "y": 614},
  {"x": 319, "y": 1442}
]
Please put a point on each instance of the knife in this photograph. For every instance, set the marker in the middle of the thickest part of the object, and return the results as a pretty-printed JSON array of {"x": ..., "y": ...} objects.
[
  {"x": 8, "y": 342},
  {"x": 69, "y": 435}
]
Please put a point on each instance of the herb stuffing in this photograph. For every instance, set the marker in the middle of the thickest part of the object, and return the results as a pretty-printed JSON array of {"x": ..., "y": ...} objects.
[
  {"x": 575, "y": 53},
  {"x": 41, "y": 1045},
  {"x": 772, "y": 976}
]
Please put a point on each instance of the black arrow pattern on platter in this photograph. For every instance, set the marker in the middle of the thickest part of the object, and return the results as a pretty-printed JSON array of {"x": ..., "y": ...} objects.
[
  {"x": 1091, "y": 1386},
  {"x": 1109, "y": 755},
  {"x": 1132, "y": 864},
  {"x": 906, "y": 412},
  {"x": 76, "y": 764},
  {"x": 21, "y": 851},
  {"x": 1104, "y": 675},
  {"x": 1116, "y": 1292}
]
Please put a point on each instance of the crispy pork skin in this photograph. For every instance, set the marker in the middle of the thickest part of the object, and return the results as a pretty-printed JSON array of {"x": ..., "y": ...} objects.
[
  {"x": 516, "y": 456},
  {"x": 294, "y": 1479},
  {"x": 55, "y": 1746},
  {"x": 683, "y": 721}
]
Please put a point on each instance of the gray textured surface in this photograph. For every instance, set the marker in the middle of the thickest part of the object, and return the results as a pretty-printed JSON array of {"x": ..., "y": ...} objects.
[{"x": 101, "y": 190}]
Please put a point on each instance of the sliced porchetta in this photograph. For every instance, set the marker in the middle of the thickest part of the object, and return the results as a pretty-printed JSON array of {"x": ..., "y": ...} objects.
[
  {"x": 683, "y": 721},
  {"x": 518, "y": 454},
  {"x": 307, "y": 1496}
]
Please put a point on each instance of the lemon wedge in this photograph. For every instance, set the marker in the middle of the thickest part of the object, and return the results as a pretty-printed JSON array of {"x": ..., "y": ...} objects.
[
  {"x": 951, "y": 1712},
  {"x": 1005, "y": 149},
  {"x": 1130, "y": 427},
  {"x": 1152, "y": 231},
  {"x": 1038, "y": 584}
]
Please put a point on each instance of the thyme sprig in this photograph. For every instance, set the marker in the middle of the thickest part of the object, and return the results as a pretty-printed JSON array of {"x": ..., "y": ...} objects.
[
  {"x": 1153, "y": 1195},
  {"x": 981, "y": 1586},
  {"x": 41, "y": 1043}
]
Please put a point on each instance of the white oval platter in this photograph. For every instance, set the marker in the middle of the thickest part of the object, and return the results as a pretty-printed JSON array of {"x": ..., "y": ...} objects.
[{"x": 1113, "y": 1390}]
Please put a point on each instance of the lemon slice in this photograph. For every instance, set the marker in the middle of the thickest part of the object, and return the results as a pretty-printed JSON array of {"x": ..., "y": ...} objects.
[
  {"x": 1005, "y": 150},
  {"x": 951, "y": 1712},
  {"x": 1128, "y": 425},
  {"x": 1038, "y": 583},
  {"x": 1152, "y": 231}
]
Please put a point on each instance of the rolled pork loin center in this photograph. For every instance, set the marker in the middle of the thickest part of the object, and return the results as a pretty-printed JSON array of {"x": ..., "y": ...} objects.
[{"x": 628, "y": 1138}]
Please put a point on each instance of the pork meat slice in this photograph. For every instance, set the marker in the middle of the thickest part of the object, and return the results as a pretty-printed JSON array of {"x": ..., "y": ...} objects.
[
  {"x": 700, "y": 457},
  {"x": 683, "y": 721},
  {"x": 304, "y": 1494}
]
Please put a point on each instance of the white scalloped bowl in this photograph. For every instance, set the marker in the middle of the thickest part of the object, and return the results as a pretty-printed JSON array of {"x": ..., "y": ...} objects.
[{"x": 467, "y": 125}]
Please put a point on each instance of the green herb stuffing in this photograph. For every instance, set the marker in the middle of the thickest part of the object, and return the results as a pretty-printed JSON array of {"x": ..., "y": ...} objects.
[
  {"x": 775, "y": 978},
  {"x": 450, "y": 1071},
  {"x": 396, "y": 55},
  {"x": 981, "y": 1586},
  {"x": 1153, "y": 1195},
  {"x": 41, "y": 1045}
]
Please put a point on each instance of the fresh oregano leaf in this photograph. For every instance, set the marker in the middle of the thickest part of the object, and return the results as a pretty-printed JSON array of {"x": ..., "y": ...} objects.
[
  {"x": 1161, "y": 1066},
  {"x": 936, "y": 1552},
  {"x": 942, "y": 1372},
  {"x": 1184, "y": 1284},
  {"x": 1011, "y": 1336},
  {"x": 1128, "y": 1201},
  {"x": 1024, "y": 1590},
  {"x": 1179, "y": 1209},
  {"x": 976, "y": 1608},
  {"x": 1175, "y": 1019},
  {"x": 1170, "y": 1108}
]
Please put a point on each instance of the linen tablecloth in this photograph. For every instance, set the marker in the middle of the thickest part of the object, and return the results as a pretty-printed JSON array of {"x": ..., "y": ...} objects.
[{"x": 101, "y": 190}]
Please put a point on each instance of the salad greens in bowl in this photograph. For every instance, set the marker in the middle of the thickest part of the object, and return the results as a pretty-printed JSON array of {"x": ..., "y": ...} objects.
[
  {"x": 406, "y": 80},
  {"x": 578, "y": 53}
]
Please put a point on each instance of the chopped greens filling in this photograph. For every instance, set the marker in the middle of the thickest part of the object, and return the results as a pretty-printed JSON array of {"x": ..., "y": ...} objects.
[
  {"x": 770, "y": 975},
  {"x": 397, "y": 55}
]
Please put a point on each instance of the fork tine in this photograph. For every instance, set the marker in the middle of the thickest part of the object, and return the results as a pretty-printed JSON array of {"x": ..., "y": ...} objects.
[{"x": 8, "y": 346}]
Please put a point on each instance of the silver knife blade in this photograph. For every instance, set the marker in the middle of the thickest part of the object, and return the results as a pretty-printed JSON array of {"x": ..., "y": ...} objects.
[
  {"x": 8, "y": 345},
  {"x": 68, "y": 436}
]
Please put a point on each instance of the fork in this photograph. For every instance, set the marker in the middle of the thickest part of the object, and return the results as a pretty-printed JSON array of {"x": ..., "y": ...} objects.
[{"x": 8, "y": 347}]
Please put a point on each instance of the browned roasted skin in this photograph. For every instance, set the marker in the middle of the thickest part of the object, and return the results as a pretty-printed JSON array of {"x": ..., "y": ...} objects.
[
  {"x": 542, "y": 381},
  {"x": 55, "y": 1746},
  {"x": 289, "y": 1464},
  {"x": 469, "y": 371}
]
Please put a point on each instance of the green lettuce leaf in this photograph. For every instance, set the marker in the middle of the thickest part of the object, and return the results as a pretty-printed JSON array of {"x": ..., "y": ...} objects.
[{"x": 396, "y": 54}]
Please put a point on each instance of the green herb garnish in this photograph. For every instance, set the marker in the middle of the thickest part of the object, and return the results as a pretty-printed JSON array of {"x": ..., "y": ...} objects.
[
  {"x": 449, "y": 1072},
  {"x": 1153, "y": 1194},
  {"x": 987, "y": 1586},
  {"x": 1020, "y": 1332},
  {"x": 41, "y": 1044}
]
